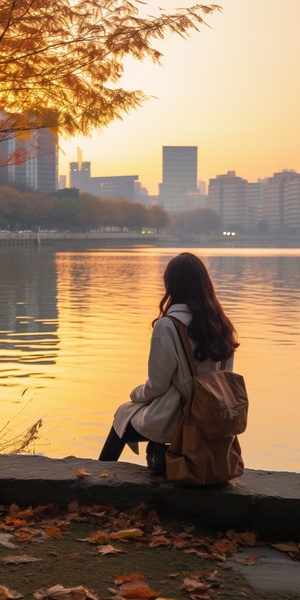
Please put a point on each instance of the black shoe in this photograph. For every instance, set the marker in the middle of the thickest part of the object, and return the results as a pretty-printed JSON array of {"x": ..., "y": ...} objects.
[{"x": 156, "y": 458}]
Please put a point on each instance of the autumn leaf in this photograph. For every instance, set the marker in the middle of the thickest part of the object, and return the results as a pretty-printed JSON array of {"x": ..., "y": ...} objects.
[
  {"x": 58, "y": 592},
  {"x": 136, "y": 590},
  {"x": 13, "y": 510},
  {"x": 250, "y": 559},
  {"x": 224, "y": 546},
  {"x": 53, "y": 531},
  {"x": 4, "y": 540},
  {"x": 97, "y": 537},
  {"x": 82, "y": 473},
  {"x": 287, "y": 547},
  {"x": 18, "y": 559},
  {"x": 211, "y": 555},
  {"x": 159, "y": 541},
  {"x": 108, "y": 549},
  {"x": 126, "y": 533},
  {"x": 10, "y": 594},
  {"x": 24, "y": 536},
  {"x": 25, "y": 514},
  {"x": 196, "y": 587},
  {"x": 104, "y": 475},
  {"x": 16, "y": 523},
  {"x": 245, "y": 538}
]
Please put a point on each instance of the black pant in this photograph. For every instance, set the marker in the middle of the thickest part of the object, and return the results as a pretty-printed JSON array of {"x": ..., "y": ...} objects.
[{"x": 114, "y": 446}]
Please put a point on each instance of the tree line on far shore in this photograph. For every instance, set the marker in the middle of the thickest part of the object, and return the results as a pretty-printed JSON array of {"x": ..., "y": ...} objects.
[{"x": 69, "y": 209}]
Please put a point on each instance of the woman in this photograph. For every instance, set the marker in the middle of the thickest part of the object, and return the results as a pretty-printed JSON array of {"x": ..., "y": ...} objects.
[{"x": 156, "y": 405}]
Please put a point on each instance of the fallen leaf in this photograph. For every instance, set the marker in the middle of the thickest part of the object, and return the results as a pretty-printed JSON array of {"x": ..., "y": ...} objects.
[
  {"x": 124, "y": 578},
  {"x": 211, "y": 556},
  {"x": 53, "y": 531},
  {"x": 18, "y": 559},
  {"x": 58, "y": 592},
  {"x": 97, "y": 537},
  {"x": 126, "y": 533},
  {"x": 224, "y": 546},
  {"x": 233, "y": 484},
  {"x": 25, "y": 514},
  {"x": 24, "y": 536},
  {"x": 82, "y": 473},
  {"x": 4, "y": 540},
  {"x": 104, "y": 475},
  {"x": 250, "y": 559},
  {"x": 16, "y": 523},
  {"x": 7, "y": 593},
  {"x": 246, "y": 538},
  {"x": 286, "y": 547},
  {"x": 136, "y": 590},
  {"x": 13, "y": 510},
  {"x": 108, "y": 549},
  {"x": 159, "y": 541},
  {"x": 194, "y": 585}
]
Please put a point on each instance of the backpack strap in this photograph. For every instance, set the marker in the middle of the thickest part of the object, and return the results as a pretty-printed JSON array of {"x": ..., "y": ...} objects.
[{"x": 183, "y": 336}]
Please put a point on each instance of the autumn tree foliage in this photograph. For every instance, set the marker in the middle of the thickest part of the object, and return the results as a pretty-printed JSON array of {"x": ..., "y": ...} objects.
[
  {"x": 69, "y": 209},
  {"x": 61, "y": 61}
]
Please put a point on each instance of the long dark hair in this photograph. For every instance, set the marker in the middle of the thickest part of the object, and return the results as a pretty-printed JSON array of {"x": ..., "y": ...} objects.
[{"x": 187, "y": 281}]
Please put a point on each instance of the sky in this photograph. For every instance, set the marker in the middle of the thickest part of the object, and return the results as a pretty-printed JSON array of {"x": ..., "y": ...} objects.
[{"x": 232, "y": 90}]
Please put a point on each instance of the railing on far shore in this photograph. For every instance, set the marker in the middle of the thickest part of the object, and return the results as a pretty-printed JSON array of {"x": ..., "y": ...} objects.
[{"x": 45, "y": 237}]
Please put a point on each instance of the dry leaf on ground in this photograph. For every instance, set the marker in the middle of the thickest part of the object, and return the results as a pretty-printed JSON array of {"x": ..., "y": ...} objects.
[
  {"x": 250, "y": 559},
  {"x": 287, "y": 547},
  {"x": 159, "y": 541},
  {"x": 126, "y": 533},
  {"x": 4, "y": 540},
  {"x": 245, "y": 538},
  {"x": 58, "y": 592},
  {"x": 133, "y": 587},
  {"x": 10, "y": 594},
  {"x": 108, "y": 549},
  {"x": 97, "y": 537},
  {"x": 18, "y": 559},
  {"x": 82, "y": 473}
]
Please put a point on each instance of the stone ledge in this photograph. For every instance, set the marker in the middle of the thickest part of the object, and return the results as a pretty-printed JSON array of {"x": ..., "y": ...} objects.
[{"x": 263, "y": 501}]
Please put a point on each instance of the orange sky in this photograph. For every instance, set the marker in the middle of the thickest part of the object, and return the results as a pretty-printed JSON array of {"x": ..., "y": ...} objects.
[{"x": 233, "y": 90}]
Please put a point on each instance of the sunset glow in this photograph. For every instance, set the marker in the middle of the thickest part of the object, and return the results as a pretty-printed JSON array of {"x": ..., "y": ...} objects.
[{"x": 233, "y": 90}]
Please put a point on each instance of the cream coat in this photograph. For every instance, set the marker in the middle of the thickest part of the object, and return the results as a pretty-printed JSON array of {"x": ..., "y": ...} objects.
[{"x": 156, "y": 405}]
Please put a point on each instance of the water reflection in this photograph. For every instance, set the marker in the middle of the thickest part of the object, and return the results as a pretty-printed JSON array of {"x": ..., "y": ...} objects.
[
  {"x": 76, "y": 325},
  {"x": 28, "y": 316}
]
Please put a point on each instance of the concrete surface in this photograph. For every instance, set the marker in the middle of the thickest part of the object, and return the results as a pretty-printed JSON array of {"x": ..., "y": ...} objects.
[
  {"x": 276, "y": 572},
  {"x": 261, "y": 501}
]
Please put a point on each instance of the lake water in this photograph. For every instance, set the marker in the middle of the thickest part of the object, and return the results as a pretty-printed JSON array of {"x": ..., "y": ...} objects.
[{"x": 75, "y": 332}]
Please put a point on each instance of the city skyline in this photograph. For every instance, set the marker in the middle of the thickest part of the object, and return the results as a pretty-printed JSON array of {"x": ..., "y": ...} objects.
[{"x": 232, "y": 90}]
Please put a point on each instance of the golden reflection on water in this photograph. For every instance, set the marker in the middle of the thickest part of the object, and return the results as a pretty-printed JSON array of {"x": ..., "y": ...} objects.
[{"x": 91, "y": 347}]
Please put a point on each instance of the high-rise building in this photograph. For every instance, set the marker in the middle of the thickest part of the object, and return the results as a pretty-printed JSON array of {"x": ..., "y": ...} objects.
[
  {"x": 34, "y": 162},
  {"x": 117, "y": 186},
  {"x": 178, "y": 189},
  {"x": 281, "y": 201},
  {"x": 228, "y": 196},
  {"x": 292, "y": 204},
  {"x": 253, "y": 212},
  {"x": 80, "y": 175}
]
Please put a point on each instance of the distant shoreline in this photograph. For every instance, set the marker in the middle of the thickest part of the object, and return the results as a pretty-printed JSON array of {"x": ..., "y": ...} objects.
[{"x": 112, "y": 239}]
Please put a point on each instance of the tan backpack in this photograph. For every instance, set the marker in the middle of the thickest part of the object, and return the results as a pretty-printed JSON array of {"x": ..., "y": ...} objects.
[{"x": 205, "y": 449}]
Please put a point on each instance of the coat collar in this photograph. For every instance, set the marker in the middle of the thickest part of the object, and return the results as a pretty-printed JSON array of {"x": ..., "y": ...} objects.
[{"x": 181, "y": 312}]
